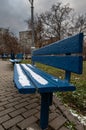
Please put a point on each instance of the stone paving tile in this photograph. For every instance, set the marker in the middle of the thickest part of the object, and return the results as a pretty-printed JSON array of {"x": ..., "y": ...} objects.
[
  {"x": 14, "y": 128},
  {"x": 37, "y": 115},
  {"x": 2, "y": 108},
  {"x": 29, "y": 113},
  {"x": 4, "y": 118},
  {"x": 25, "y": 99},
  {"x": 6, "y": 98},
  {"x": 79, "y": 126},
  {"x": 38, "y": 107},
  {"x": 15, "y": 99},
  {"x": 63, "y": 128},
  {"x": 25, "y": 123},
  {"x": 68, "y": 115},
  {"x": 22, "y": 112},
  {"x": 33, "y": 98},
  {"x": 1, "y": 128},
  {"x": 12, "y": 104},
  {"x": 34, "y": 127},
  {"x": 20, "y": 105},
  {"x": 3, "y": 103},
  {"x": 57, "y": 122},
  {"x": 31, "y": 106},
  {"x": 12, "y": 122},
  {"x": 52, "y": 116},
  {"x": 17, "y": 112},
  {"x": 6, "y": 111}
]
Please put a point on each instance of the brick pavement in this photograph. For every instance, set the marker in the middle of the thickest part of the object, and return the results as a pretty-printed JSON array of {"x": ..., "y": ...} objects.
[{"x": 22, "y": 112}]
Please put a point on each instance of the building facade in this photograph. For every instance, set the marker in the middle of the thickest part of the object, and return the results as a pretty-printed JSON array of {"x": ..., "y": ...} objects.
[
  {"x": 25, "y": 40},
  {"x": 3, "y": 31}
]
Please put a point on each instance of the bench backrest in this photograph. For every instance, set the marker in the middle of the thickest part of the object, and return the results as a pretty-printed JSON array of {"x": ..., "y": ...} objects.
[
  {"x": 19, "y": 56},
  {"x": 64, "y": 54}
]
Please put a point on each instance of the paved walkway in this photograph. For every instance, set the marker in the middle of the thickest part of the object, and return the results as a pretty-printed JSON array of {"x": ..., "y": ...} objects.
[{"x": 22, "y": 112}]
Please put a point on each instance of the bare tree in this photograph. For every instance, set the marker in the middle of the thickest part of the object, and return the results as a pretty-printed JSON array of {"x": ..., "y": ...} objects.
[
  {"x": 11, "y": 42},
  {"x": 57, "y": 23},
  {"x": 56, "y": 20},
  {"x": 38, "y": 30},
  {"x": 77, "y": 24}
]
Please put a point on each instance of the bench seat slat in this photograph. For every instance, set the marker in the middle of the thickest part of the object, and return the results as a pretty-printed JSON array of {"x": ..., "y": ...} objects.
[
  {"x": 15, "y": 60},
  {"x": 22, "y": 82},
  {"x": 35, "y": 77},
  {"x": 46, "y": 82},
  {"x": 69, "y": 63},
  {"x": 72, "y": 44},
  {"x": 64, "y": 85}
]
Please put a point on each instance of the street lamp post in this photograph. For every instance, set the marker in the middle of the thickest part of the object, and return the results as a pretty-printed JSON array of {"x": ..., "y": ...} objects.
[{"x": 32, "y": 21}]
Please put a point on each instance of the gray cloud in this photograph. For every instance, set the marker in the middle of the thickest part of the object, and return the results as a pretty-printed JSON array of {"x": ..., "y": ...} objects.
[
  {"x": 78, "y": 5},
  {"x": 13, "y": 13}
]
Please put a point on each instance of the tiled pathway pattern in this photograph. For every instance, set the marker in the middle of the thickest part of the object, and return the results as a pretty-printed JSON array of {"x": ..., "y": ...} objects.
[{"x": 22, "y": 112}]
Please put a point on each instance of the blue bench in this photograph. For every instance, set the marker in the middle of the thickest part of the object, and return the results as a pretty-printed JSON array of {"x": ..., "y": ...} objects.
[
  {"x": 18, "y": 58},
  {"x": 4, "y": 56},
  {"x": 66, "y": 55}
]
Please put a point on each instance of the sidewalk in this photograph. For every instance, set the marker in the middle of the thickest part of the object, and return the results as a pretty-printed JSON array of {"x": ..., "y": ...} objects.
[{"x": 22, "y": 112}]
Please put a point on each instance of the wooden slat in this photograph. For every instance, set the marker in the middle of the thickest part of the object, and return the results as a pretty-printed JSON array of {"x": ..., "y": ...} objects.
[
  {"x": 38, "y": 79},
  {"x": 19, "y": 56},
  {"x": 24, "y": 89},
  {"x": 53, "y": 84},
  {"x": 69, "y": 63},
  {"x": 70, "y": 45}
]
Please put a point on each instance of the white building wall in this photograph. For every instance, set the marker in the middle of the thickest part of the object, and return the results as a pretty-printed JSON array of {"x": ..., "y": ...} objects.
[{"x": 25, "y": 38}]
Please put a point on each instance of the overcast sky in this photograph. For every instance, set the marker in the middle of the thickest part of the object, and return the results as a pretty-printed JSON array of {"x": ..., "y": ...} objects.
[{"x": 13, "y": 13}]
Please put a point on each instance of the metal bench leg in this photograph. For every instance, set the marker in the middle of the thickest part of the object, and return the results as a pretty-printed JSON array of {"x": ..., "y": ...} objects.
[
  {"x": 44, "y": 115},
  {"x": 51, "y": 99}
]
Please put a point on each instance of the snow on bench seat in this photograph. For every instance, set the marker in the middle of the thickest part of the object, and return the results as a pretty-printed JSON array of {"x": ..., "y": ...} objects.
[
  {"x": 22, "y": 82},
  {"x": 28, "y": 78}
]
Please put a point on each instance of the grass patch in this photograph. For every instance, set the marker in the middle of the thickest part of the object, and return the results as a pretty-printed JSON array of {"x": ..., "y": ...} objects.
[
  {"x": 70, "y": 125},
  {"x": 76, "y": 99}
]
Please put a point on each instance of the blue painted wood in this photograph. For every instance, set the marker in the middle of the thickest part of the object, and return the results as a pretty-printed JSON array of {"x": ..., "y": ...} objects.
[
  {"x": 67, "y": 75},
  {"x": 12, "y": 56},
  {"x": 53, "y": 84},
  {"x": 22, "y": 89},
  {"x": 51, "y": 99},
  {"x": 69, "y": 45},
  {"x": 44, "y": 110},
  {"x": 37, "y": 81},
  {"x": 19, "y": 56},
  {"x": 69, "y": 63},
  {"x": 46, "y": 84},
  {"x": 17, "y": 59}
]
